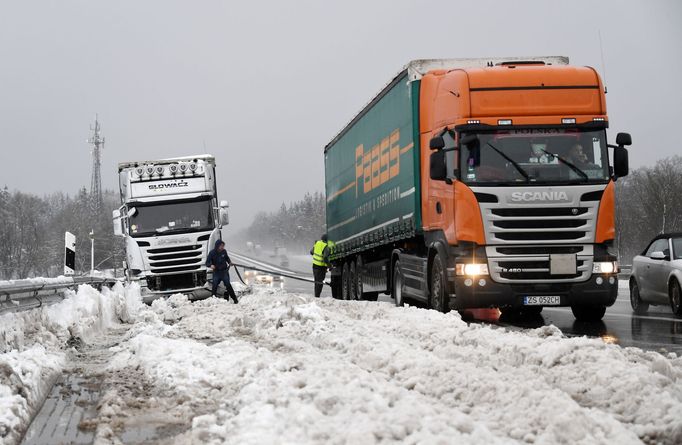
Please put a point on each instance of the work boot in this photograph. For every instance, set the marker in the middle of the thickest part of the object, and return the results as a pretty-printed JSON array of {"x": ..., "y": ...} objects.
[{"x": 235, "y": 301}]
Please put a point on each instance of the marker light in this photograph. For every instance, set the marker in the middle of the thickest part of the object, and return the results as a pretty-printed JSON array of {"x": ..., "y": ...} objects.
[
  {"x": 568, "y": 120},
  {"x": 193, "y": 166},
  {"x": 173, "y": 168},
  {"x": 183, "y": 168},
  {"x": 504, "y": 122},
  {"x": 139, "y": 171},
  {"x": 471, "y": 269},
  {"x": 159, "y": 170},
  {"x": 150, "y": 170},
  {"x": 598, "y": 119},
  {"x": 605, "y": 267},
  {"x": 473, "y": 121}
]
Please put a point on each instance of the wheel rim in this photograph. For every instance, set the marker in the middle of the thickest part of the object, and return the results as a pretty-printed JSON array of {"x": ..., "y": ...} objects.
[
  {"x": 437, "y": 287},
  {"x": 398, "y": 288}
]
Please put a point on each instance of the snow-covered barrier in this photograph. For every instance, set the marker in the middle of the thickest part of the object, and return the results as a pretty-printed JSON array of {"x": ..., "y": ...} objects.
[
  {"x": 282, "y": 368},
  {"x": 33, "y": 346}
]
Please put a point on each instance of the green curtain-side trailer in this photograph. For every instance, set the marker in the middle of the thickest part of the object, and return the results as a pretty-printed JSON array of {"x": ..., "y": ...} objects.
[{"x": 372, "y": 172}]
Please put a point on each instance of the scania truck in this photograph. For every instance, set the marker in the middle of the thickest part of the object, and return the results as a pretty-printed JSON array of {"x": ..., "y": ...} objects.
[
  {"x": 170, "y": 218},
  {"x": 479, "y": 183}
]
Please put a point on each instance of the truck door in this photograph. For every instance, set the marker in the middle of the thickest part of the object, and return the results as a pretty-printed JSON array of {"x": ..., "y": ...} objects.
[{"x": 439, "y": 210}]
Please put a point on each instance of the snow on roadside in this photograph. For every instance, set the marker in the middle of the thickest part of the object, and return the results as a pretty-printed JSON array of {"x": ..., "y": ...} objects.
[
  {"x": 280, "y": 368},
  {"x": 33, "y": 347}
]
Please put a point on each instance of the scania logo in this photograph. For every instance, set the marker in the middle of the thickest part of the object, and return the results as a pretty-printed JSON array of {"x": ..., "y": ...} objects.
[{"x": 539, "y": 196}]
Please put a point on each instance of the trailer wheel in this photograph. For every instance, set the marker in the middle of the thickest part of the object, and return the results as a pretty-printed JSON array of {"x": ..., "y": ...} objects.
[
  {"x": 588, "y": 313},
  {"x": 438, "y": 296},
  {"x": 397, "y": 285},
  {"x": 353, "y": 282},
  {"x": 345, "y": 282}
]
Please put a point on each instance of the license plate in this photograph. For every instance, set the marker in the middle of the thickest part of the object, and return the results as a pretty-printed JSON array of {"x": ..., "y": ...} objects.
[{"x": 542, "y": 300}]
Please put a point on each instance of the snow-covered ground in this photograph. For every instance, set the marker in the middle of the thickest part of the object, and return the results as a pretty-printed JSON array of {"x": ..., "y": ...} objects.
[
  {"x": 33, "y": 347},
  {"x": 286, "y": 368}
]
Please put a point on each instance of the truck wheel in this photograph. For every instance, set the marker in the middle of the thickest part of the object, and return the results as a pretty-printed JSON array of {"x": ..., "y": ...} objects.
[
  {"x": 438, "y": 296},
  {"x": 638, "y": 306},
  {"x": 588, "y": 313},
  {"x": 397, "y": 285},
  {"x": 345, "y": 282},
  {"x": 675, "y": 297},
  {"x": 353, "y": 282}
]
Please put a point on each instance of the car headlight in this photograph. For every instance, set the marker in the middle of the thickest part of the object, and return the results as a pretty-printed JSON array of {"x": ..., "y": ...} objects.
[
  {"x": 471, "y": 269},
  {"x": 605, "y": 267}
]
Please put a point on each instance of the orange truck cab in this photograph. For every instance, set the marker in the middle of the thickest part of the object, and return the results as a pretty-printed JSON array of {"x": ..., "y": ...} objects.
[{"x": 514, "y": 192}]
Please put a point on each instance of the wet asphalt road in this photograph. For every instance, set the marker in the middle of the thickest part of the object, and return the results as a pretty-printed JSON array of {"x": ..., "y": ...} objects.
[{"x": 659, "y": 330}]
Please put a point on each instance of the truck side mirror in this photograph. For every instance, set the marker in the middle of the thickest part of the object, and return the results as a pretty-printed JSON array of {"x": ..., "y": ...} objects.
[
  {"x": 224, "y": 217},
  {"x": 118, "y": 223},
  {"x": 436, "y": 143},
  {"x": 623, "y": 139},
  {"x": 437, "y": 167},
  {"x": 620, "y": 162}
]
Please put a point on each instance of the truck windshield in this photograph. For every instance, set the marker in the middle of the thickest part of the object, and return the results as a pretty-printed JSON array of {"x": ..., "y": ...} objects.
[
  {"x": 171, "y": 217},
  {"x": 535, "y": 156}
]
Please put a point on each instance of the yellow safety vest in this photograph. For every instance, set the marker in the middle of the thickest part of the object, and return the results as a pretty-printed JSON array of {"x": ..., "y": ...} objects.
[{"x": 318, "y": 253}]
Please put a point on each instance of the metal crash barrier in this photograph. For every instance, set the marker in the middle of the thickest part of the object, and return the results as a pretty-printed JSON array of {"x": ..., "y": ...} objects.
[{"x": 23, "y": 295}]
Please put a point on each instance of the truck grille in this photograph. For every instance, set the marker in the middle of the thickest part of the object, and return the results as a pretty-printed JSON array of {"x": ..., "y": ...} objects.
[
  {"x": 521, "y": 236},
  {"x": 175, "y": 259},
  {"x": 539, "y": 224}
]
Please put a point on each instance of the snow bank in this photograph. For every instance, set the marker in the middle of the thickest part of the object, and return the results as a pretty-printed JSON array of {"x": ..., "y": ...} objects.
[
  {"x": 281, "y": 368},
  {"x": 33, "y": 346}
]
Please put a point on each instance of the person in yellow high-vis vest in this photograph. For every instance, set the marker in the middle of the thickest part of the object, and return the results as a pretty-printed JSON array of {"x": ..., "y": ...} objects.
[{"x": 320, "y": 253}]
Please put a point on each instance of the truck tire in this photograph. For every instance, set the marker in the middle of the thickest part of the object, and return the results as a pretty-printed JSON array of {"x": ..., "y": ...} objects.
[
  {"x": 588, "y": 313},
  {"x": 345, "y": 282},
  {"x": 397, "y": 285},
  {"x": 353, "y": 282},
  {"x": 675, "y": 297},
  {"x": 438, "y": 295},
  {"x": 639, "y": 307}
]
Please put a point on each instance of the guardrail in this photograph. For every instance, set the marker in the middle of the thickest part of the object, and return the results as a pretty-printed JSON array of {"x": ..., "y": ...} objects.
[{"x": 22, "y": 295}]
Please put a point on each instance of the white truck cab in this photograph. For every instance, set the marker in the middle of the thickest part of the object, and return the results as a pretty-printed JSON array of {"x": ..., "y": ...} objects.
[{"x": 170, "y": 218}]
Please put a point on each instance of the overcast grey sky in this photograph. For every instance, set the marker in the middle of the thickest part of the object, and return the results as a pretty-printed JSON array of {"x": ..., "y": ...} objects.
[{"x": 265, "y": 85}]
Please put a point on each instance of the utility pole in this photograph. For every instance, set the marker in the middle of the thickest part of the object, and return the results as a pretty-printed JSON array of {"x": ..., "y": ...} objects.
[{"x": 97, "y": 142}]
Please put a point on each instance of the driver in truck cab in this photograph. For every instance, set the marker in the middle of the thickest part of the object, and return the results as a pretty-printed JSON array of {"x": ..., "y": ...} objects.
[{"x": 219, "y": 262}]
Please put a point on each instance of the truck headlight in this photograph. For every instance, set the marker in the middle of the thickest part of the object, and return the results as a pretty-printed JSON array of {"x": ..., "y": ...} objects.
[
  {"x": 471, "y": 269},
  {"x": 605, "y": 267}
]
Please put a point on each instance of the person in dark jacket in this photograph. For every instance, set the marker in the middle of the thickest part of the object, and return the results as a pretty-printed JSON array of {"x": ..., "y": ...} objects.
[{"x": 219, "y": 262}]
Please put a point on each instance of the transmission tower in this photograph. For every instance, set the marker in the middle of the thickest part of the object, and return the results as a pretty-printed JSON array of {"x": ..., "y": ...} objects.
[{"x": 97, "y": 142}]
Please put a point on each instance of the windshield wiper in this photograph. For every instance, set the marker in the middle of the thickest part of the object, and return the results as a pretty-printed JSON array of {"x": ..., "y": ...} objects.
[
  {"x": 513, "y": 162},
  {"x": 571, "y": 165}
]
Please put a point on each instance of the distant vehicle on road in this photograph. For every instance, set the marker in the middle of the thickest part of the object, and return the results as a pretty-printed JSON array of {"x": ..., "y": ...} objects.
[{"x": 657, "y": 275}]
